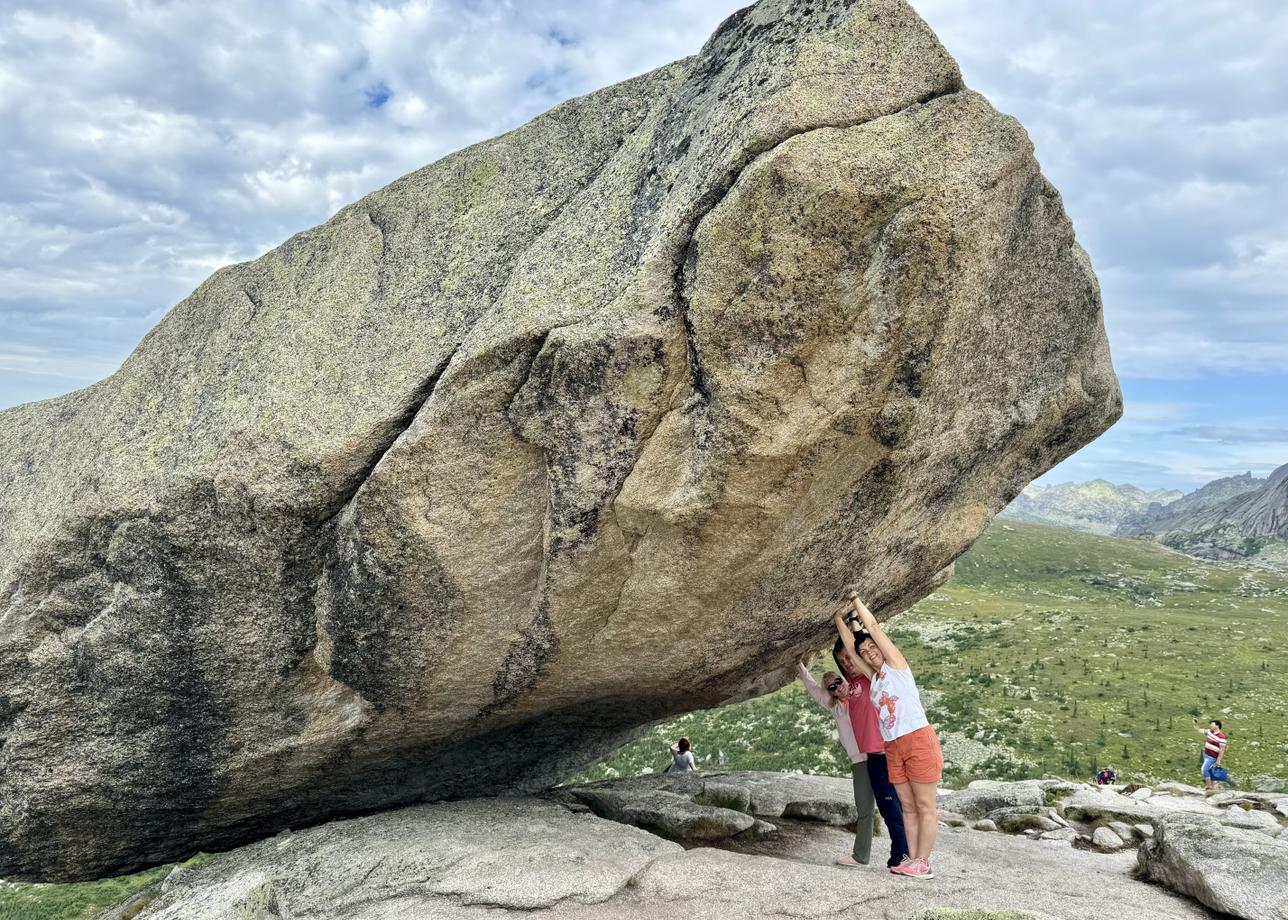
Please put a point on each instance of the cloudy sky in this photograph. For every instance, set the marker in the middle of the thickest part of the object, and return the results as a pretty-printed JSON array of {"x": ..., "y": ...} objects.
[{"x": 148, "y": 143}]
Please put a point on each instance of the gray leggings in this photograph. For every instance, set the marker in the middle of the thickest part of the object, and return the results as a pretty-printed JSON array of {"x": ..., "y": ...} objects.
[{"x": 865, "y": 802}]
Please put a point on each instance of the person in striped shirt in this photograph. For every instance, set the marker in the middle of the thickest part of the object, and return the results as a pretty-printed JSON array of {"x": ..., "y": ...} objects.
[{"x": 1213, "y": 749}]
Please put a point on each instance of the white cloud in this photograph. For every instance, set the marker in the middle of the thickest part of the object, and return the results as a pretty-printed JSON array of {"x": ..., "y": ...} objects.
[
  {"x": 1165, "y": 126},
  {"x": 148, "y": 144}
]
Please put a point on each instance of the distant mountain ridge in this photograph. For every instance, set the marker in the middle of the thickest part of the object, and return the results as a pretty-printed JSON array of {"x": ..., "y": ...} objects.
[
  {"x": 1098, "y": 506},
  {"x": 1215, "y": 492},
  {"x": 1236, "y": 518},
  {"x": 1241, "y": 518}
]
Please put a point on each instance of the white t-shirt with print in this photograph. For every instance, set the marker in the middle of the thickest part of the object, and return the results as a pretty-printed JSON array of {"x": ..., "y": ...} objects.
[{"x": 899, "y": 709}]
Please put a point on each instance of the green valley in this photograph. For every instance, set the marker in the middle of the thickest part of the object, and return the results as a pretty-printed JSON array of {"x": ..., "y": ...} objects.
[{"x": 1051, "y": 651}]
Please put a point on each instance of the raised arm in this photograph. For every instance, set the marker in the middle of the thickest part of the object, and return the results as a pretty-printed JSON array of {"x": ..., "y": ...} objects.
[
  {"x": 812, "y": 687},
  {"x": 893, "y": 656},
  {"x": 842, "y": 627}
]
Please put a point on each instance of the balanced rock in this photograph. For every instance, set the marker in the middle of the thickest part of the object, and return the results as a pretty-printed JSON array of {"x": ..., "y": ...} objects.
[{"x": 575, "y": 429}]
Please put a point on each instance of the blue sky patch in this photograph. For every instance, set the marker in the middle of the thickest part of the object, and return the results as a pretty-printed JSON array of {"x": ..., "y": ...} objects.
[{"x": 378, "y": 95}]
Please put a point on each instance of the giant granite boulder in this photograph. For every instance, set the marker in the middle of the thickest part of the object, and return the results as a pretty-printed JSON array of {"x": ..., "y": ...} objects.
[{"x": 574, "y": 429}]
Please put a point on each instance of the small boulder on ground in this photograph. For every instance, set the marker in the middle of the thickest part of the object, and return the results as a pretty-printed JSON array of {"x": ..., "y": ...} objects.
[
  {"x": 1105, "y": 839},
  {"x": 1231, "y": 870},
  {"x": 771, "y": 793},
  {"x": 1019, "y": 823},
  {"x": 725, "y": 795},
  {"x": 829, "y": 811},
  {"x": 1263, "y": 783},
  {"x": 665, "y": 813},
  {"x": 1232, "y": 797},
  {"x": 1122, "y": 829},
  {"x": 1063, "y": 834},
  {"x": 1091, "y": 804},
  {"x": 760, "y": 829},
  {"x": 952, "y": 819},
  {"x": 984, "y": 796},
  {"x": 694, "y": 807},
  {"x": 1251, "y": 819}
]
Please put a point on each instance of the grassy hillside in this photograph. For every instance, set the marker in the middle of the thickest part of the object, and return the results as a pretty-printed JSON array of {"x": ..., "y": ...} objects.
[
  {"x": 79, "y": 901},
  {"x": 1052, "y": 651}
]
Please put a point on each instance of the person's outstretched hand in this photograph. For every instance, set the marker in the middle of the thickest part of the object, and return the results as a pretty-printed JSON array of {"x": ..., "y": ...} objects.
[{"x": 865, "y": 615}]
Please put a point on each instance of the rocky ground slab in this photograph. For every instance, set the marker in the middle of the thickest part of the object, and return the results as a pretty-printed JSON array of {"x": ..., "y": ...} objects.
[
  {"x": 510, "y": 858},
  {"x": 556, "y": 858}
]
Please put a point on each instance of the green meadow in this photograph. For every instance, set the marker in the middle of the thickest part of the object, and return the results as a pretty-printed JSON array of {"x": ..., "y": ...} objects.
[
  {"x": 79, "y": 901},
  {"x": 1051, "y": 652}
]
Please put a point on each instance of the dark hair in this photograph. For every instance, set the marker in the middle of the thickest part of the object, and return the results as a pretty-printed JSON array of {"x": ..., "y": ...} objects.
[
  {"x": 861, "y": 636},
  {"x": 837, "y": 647},
  {"x": 683, "y": 745},
  {"x": 1216, "y": 722}
]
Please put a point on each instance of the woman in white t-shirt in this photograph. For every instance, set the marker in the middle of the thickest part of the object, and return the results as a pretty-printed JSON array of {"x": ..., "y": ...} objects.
[
  {"x": 913, "y": 755},
  {"x": 681, "y": 758}
]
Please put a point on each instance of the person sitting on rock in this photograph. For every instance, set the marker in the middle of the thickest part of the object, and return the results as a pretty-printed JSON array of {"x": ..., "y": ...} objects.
[
  {"x": 834, "y": 696},
  {"x": 681, "y": 757},
  {"x": 867, "y": 736},
  {"x": 913, "y": 754},
  {"x": 1213, "y": 749},
  {"x": 1105, "y": 777}
]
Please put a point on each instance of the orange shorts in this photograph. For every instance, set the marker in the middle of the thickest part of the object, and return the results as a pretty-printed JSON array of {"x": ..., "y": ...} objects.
[{"x": 915, "y": 756}]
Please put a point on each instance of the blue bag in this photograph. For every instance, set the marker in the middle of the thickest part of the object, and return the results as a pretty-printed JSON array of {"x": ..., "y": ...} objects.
[{"x": 1220, "y": 774}]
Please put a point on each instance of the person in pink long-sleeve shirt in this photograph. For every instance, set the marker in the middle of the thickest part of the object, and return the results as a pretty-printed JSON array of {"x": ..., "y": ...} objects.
[{"x": 834, "y": 695}]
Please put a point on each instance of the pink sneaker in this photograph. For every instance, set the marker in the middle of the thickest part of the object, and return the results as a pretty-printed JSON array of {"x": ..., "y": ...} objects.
[
  {"x": 902, "y": 868},
  {"x": 919, "y": 868}
]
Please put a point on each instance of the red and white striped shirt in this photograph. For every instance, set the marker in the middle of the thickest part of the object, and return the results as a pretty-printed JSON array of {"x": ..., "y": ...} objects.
[{"x": 1215, "y": 743}]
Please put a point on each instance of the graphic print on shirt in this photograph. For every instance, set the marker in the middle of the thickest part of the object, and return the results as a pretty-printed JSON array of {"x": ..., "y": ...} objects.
[{"x": 886, "y": 709}]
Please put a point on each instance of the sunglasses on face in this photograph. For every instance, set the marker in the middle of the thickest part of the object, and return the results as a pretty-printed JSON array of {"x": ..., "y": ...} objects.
[{"x": 834, "y": 684}]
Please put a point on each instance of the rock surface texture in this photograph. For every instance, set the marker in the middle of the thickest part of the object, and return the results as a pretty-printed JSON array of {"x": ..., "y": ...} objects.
[
  {"x": 569, "y": 431},
  {"x": 1238, "y": 872}
]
